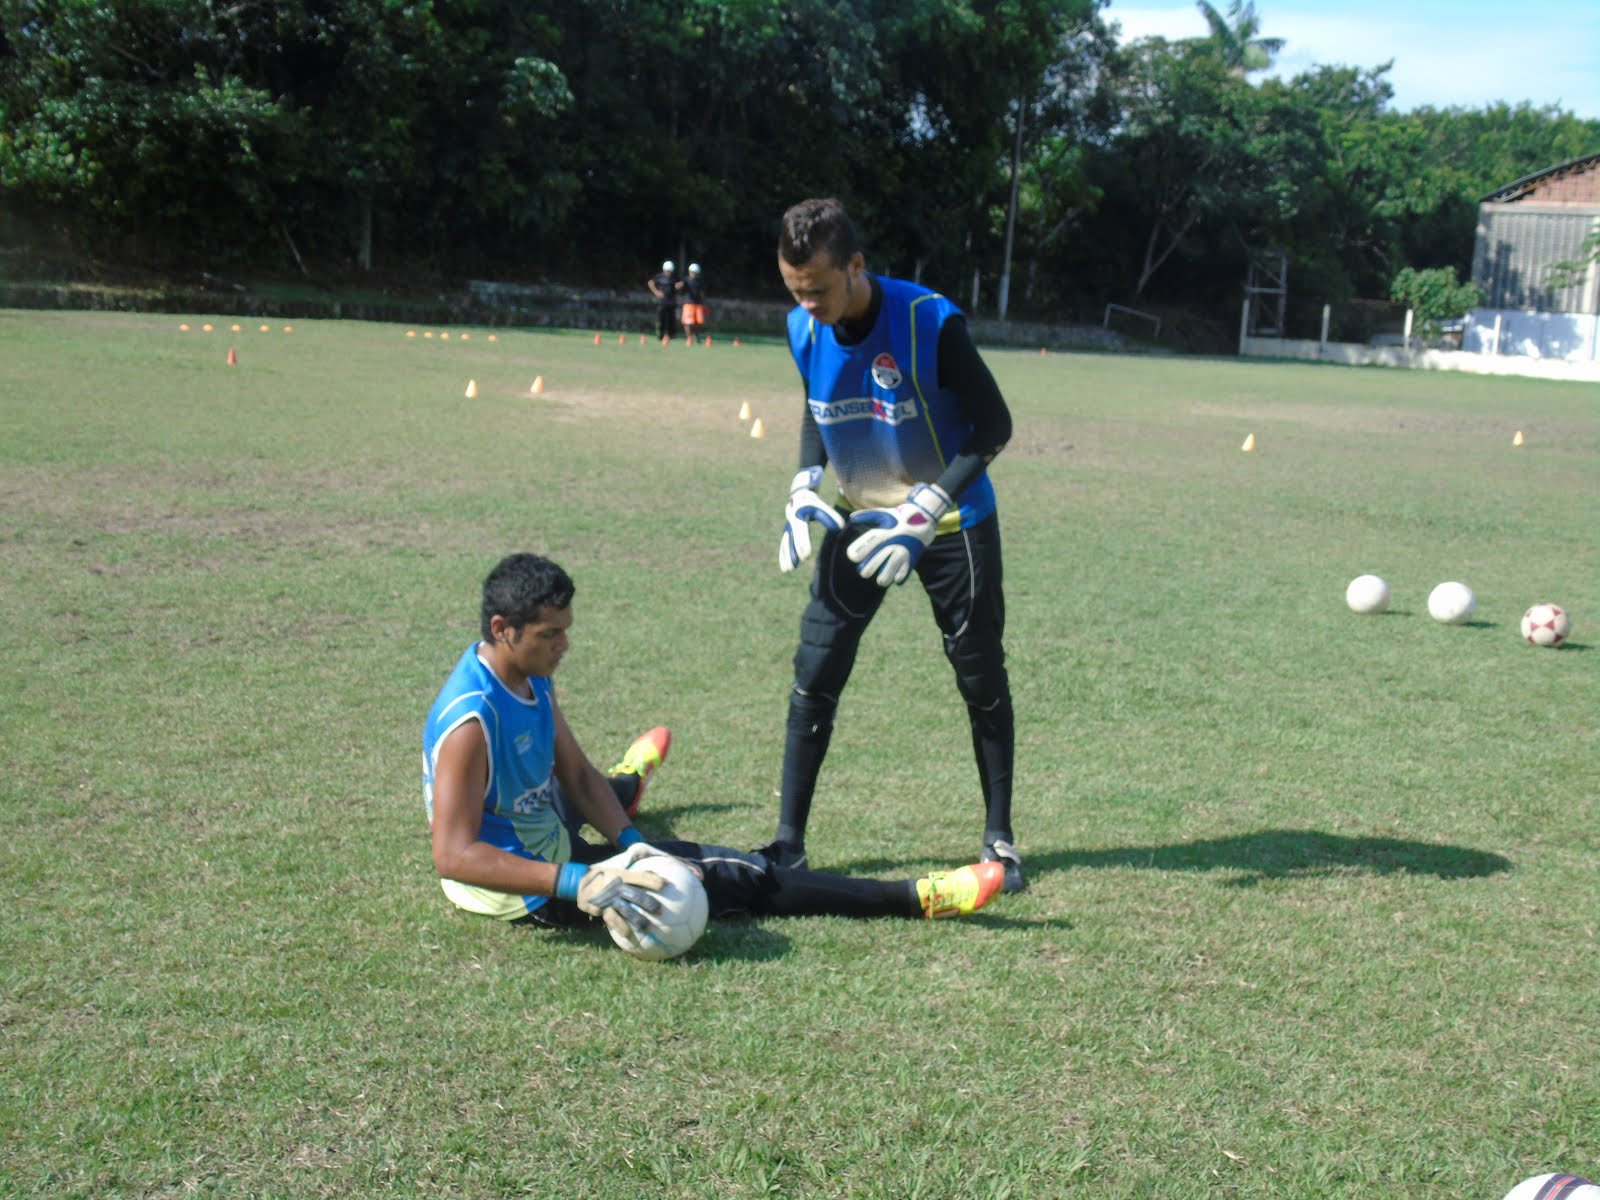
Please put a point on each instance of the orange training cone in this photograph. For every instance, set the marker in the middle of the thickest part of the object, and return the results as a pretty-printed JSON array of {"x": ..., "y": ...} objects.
[
  {"x": 641, "y": 339},
  {"x": 735, "y": 341},
  {"x": 622, "y": 339},
  {"x": 1043, "y": 351},
  {"x": 233, "y": 359},
  {"x": 597, "y": 339}
]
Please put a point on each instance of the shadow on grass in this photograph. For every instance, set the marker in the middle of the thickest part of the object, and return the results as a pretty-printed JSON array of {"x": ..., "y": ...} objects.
[{"x": 1290, "y": 853}]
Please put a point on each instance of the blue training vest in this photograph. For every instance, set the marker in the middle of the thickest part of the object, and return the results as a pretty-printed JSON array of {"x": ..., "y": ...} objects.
[
  {"x": 518, "y": 806},
  {"x": 885, "y": 422}
]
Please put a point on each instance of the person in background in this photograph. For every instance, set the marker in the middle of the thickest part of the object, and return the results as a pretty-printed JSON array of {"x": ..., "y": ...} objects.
[
  {"x": 694, "y": 304},
  {"x": 665, "y": 285}
]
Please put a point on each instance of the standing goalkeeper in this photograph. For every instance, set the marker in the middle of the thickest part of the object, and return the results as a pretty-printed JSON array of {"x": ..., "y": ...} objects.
[{"x": 899, "y": 401}]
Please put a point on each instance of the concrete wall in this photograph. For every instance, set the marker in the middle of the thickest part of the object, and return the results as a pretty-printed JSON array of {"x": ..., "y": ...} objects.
[
  {"x": 1352, "y": 354},
  {"x": 1573, "y": 337}
]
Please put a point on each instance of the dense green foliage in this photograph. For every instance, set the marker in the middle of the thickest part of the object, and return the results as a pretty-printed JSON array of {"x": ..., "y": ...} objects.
[
  {"x": 585, "y": 139},
  {"x": 1434, "y": 295}
]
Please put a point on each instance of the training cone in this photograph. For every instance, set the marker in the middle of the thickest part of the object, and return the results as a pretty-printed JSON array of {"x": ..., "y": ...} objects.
[
  {"x": 597, "y": 339},
  {"x": 538, "y": 385},
  {"x": 622, "y": 339},
  {"x": 233, "y": 359},
  {"x": 744, "y": 411},
  {"x": 1249, "y": 443},
  {"x": 472, "y": 388},
  {"x": 735, "y": 341},
  {"x": 1517, "y": 439},
  {"x": 1043, "y": 350},
  {"x": 758, "y": 429}
]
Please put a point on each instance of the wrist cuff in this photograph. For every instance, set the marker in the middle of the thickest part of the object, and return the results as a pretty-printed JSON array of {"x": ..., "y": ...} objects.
[
  {"x": 567, "y": 881},
  {"x": 628, "y": 837}
]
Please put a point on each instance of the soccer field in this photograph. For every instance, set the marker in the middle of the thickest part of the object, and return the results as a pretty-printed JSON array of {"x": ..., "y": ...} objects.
[{"x": 1314, "y": 908}]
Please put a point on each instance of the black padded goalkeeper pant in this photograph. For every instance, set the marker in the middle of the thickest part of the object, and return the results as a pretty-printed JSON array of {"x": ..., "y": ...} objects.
[{"x": 961, "y": 575}]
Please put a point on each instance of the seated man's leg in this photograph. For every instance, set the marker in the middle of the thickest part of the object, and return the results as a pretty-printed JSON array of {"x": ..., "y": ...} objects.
[{"x": 746, "y": 883}]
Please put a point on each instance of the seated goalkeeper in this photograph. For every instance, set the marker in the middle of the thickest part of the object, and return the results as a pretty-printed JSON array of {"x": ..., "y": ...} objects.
[{"x": 508, "y": 788}]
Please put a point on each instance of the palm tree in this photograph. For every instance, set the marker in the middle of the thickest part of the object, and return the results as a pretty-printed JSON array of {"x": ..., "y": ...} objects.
[{"x": 1234, "y": 37}]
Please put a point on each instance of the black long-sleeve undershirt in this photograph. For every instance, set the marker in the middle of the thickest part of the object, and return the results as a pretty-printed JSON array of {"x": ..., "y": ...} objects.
[{"x": 963, "y": 373}]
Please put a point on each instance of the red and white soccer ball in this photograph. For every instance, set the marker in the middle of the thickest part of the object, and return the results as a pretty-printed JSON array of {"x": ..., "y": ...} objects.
[
  {"x": 1546, "y": 625},
  {"x": 1558, "y": 1186},
  {"x": 684, "y": 909}
]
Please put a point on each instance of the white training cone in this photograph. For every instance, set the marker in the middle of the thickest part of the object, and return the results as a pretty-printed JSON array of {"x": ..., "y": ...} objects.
[
  {"x": 472, "y": 388},
  {"x": 744, "y": 411},
  {"x": 1517, "y": 438},
  {"x": 1249, "y": 443},
  {"x": 758, "y": 429},
  {"x": 538, "y": 385}
]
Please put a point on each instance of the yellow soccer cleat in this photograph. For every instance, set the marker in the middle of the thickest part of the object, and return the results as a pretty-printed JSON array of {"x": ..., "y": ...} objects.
[
  {"x": 649, "y": 751},
  {"x": 957, "y": 893}
]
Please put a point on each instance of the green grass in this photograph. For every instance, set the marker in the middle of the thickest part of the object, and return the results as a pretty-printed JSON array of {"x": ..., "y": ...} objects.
[{"x": 1314, "y": 906}]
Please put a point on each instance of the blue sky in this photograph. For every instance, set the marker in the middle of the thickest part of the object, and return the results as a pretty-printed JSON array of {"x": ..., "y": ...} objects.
[{"x": 1446, "y": 52}]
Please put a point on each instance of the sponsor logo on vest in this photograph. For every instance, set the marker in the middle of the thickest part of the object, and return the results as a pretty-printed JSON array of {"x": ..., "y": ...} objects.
[
  {"x": 864, "y": 408},
  {"x": 886, "y": 372}
]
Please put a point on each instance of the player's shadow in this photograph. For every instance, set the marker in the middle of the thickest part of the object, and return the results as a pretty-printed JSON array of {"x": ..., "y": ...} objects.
[{"x": 1289, "y": 854}]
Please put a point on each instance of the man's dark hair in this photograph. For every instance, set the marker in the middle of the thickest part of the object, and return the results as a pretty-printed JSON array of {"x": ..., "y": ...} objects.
[
  {"x": 814, "y": 225},
  {"x": 520, "y": 585}
]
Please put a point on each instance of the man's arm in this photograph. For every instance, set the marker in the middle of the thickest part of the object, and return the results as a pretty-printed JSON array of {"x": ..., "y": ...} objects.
[
  {"x": 460, "y": 777},
  {"x": 584, "y": 786},
  {"x": 964, "y": 373},
  {"x": 812, "y": 452}
]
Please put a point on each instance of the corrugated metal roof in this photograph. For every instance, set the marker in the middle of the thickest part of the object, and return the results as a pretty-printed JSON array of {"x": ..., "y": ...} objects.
[{"x": 1512, "y": 190}]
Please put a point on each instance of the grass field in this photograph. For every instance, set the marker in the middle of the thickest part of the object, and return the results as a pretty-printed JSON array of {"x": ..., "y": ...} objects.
[{"x": 1314, "y": 908}]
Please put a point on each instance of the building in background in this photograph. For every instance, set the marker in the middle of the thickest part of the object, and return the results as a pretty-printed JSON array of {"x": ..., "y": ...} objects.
[{"x": 1525, "y": 230}]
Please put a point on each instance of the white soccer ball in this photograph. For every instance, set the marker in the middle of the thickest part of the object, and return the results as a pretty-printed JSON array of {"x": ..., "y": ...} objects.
[
  {"x": 1451, "y": 603},
  {"x": 1546, "y": 625},
  {"x": 684, "y": 909},
  {"x": 1367, "y": 594},
  {"x": 1558, "y": 1186}
]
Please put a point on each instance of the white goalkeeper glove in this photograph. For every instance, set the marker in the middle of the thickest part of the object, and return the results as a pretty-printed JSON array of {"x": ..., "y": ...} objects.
[
  {"x": 804, "y": 507},
  {"x": 613, "y": 890},
  {"x": 896, "y": 537}
]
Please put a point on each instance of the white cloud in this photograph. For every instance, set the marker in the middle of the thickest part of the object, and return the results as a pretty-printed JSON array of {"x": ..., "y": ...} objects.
[{"x": 1468, "y": 55}]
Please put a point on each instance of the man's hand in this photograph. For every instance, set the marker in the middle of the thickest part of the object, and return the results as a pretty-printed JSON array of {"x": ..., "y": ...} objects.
[
  {"x": 804, "y": 506},
  {"x": 896, "y": 537},
  {"x": 618, "y": 894}
]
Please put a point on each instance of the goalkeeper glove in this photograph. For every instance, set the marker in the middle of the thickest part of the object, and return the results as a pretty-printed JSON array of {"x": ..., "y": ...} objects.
[
  {"x": 804, "y": 506},
  {"x": 614, "y": 891},
  {"x": 896, "y": 537}
]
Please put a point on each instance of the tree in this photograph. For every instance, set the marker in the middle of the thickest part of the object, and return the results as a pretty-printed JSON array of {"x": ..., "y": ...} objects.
[
  {"x": 128, "y": 117},
  {"x": 1234, "y": 37},
  {"x": 1434, "y": 295}
]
